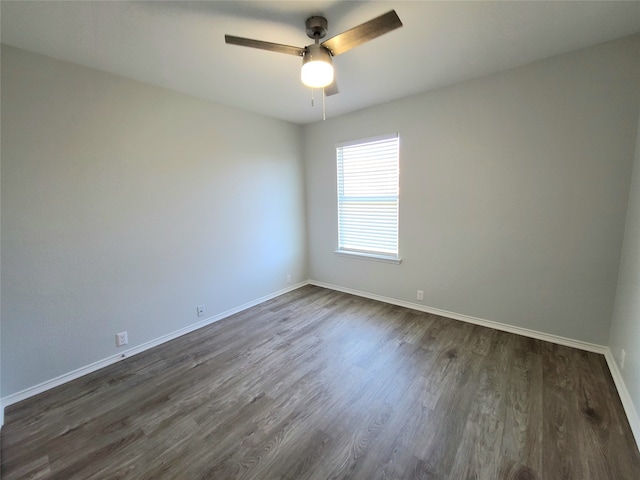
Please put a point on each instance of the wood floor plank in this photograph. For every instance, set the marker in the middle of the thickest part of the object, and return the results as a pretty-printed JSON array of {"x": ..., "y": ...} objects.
[
  {"x": 521, "y": 450},
  {"x": 317, "y": 385},
  {"x": 561, "y": 420},
  {"x": 454, "y": 372},
  {"x": 479, "y": 451}
]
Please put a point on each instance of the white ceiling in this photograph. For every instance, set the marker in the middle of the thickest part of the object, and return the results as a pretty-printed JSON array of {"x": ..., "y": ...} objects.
[{"x": 180, "y": 45}]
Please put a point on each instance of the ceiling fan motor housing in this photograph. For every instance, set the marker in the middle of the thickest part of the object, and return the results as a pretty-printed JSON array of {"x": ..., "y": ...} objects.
[
  {"x": 316, "y": 27},
  {"x": 313, "y": 53}
]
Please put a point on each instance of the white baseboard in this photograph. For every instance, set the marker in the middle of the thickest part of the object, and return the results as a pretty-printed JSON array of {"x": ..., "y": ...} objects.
[
  {"x": 67, "y": 377},
  {"x": 569, "y": 342},
  {"x": 625, "y": 398}
]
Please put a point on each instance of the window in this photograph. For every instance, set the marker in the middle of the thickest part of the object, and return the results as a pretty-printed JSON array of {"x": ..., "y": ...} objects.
[{"x": 368, "y": 187}]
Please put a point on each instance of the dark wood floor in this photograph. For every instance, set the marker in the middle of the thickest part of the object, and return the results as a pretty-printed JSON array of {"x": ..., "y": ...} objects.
[{"x": 318, "y": 384}]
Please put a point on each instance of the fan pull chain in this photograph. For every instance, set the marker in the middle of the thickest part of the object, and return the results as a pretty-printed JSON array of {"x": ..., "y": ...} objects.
[
  {"x": 324, "y": 96},
  {"x": 324, "y": 113}
]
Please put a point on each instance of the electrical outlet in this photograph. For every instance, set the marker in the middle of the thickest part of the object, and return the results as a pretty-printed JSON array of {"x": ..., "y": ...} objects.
[
  {"x": 122, "y": 339},
  {"x": 420, "y": 295},
  {"x": 288, "y": 279},
  {"x": 200, "y": 310},
  {"x": 622, "y": 355}
]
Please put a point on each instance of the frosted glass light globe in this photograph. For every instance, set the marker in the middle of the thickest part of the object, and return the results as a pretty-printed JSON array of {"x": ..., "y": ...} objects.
[{"x": 317, "y": 68}]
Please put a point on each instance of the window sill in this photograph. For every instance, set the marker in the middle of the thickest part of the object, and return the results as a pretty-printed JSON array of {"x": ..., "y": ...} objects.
[{"x": 369, "y": 256}]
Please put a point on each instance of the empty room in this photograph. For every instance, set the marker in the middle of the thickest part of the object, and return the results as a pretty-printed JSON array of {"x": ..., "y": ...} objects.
[{"x": 309, "y": 240}]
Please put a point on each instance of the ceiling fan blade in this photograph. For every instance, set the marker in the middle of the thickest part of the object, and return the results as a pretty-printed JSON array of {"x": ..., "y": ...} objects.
[
  {"x": 331, "y": 89},
  {"x": 345, "y": 41},
  {"x": 273, "y": 47}
]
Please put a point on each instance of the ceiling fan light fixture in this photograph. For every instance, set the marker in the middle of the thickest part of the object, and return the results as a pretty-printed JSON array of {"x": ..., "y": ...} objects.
[
  {"x": 317, "y": 67},
  {"x": 317, "y": 63}
]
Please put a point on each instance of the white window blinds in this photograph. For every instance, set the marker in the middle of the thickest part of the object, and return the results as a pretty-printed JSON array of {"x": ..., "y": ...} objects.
[{"x": 368, "y": 178}]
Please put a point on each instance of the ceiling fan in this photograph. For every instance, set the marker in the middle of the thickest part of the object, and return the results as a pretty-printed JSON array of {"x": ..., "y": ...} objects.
[{"x": 317, "y": 66}]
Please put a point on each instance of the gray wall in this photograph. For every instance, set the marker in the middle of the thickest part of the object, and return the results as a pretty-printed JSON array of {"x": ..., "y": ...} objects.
[
  {"x": 625, "y": 328},
  {"x": 513, "y": 192},
  {"x": 124, "y": 206}
]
